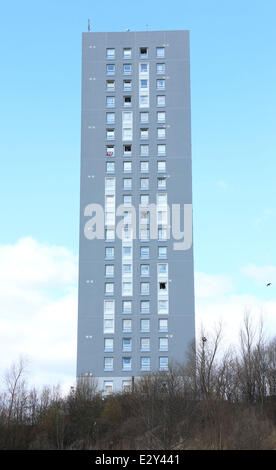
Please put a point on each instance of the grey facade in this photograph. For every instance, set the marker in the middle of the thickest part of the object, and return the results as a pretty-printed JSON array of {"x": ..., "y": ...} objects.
[{"x": 148, "y": 73}]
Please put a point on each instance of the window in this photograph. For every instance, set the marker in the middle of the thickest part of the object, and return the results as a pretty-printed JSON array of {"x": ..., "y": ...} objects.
[
  {"x": 160, "y": 84},
  {"x": 108, "y": 363},
  {"x": 127, "y": 150},
  {"x": 110, "y": 53},
  {"x": 144, "y": 288},
  {"x": 144, "y": 200},
  {"x": 144, "y": 167},
  {"x": 109, "y": 218},
  {"x": 160, "y": 69},
  {"x": 144, "y": 133},
  {"x": 110, "y": 184},
  {"x": 108, "y": 326},
  {"x": 144, "y": 270},
  {"x": 127, "y": 326},
  {"x": 110, "y": 118},
  {"x": 144, "y": 117},
  {"x": 162, "y": 252},
  {"x": 162, "y": 221},
  {"x": 144, "y": 235},
  {"x": 109, "y": 307},
  {"x": 127, "y": 117},
  {"x": 161, "y": 149},
  {"x": 108, "y": 388},
  {"x": 127, "y": 101},
  {"x": 161, "y": 116},
  {"x": 127, "y": 200},
  {"x": 144, "y": 83},
  {"x": 161, "y": 199},
  {"x": 110, "y": 85},
  {"x": 109, "y": 288},
  {"x": 127, "y": 288},
  {"x": 127, "y": 85},
  {"x": 127, "y": 233},
  {"x": 162, "y": 217},
  {"x": 127, "y": 53},
  {"x": 127, "y": 269},
  {"x": 126, "y": 363},
  {"x": 145, "y": 363},
  {"x": 109, "y": 234},
  {"x": 110, "y": 69},
  {"x": 127, "y": 183},
  {"x": 144, "y": 68},
  {"x": 127, "y": 69},
  {"x": 110, "y": 151},
  {"x": 108, "y": 344},
  {"x": 145, "y": 344},
  {"x": 127, "y": 344},
  {"x": 144, "y": 150},
  {"x": 127, "y": 217},
  {"x": 161, "y": 133},
  {"x": 110, "y": 134},
  {"x": 127, "y": 133},
  {"x": 145, "y": 306},
  {"x": 127, "y": 252},
  {"x": 163, "y": 344},
  {"x": 127, "y": 306},
  {"x": 110, "y": 101},
  {"x": 163, "y": 363},
  {"x": 127, "y": 167},
  {"x": 163, "y": 286},
  {"x": 145, "y": 325},
  {"x": 161, "y": 167},
  {"x": 160, "y": 52},
  {"x": 144, "y": 252},
  {"x": 110, "y": 167},
  {"x": 163, "y": 307},
  {"x": 163, "y": 269},
  {"x": 161, "y": 183},
  {"x": 144, "y": 101},
  {"x": 144, "y": 217},
  {"x": 143, "y": 52},
  {"x": 161, "y": 100},
  {"x": 163, "y": 325},
  {"x": 109, "y": 270},
  {"x": 109, "y": 252},
  {"x": 162, "y": 234},
  {"x": 126, "y": 386},
  {"x": 144, "y": 183}
]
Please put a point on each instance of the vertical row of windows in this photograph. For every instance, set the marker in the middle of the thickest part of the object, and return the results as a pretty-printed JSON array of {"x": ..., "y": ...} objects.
[{"x": 127, "y": 247}]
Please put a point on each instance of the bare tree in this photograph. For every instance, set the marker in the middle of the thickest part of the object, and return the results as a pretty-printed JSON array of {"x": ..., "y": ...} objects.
[
  {"x": 15, "y": 384},
  {"x": 252, "y": 363}
]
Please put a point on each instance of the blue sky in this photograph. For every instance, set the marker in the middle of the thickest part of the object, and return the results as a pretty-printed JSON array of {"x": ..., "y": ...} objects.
[{"x": 233, "y": 76}]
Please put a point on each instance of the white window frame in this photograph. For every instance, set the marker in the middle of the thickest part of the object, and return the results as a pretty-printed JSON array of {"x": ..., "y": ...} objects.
[{"x": 109, "y": 360}]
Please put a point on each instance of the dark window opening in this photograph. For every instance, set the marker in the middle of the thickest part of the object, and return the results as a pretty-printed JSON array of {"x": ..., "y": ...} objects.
[{"x": 162, "y": 285}]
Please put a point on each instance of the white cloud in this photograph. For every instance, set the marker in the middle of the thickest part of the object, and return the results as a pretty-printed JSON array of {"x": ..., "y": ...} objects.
[
  {"x": 225, "y": 306},
  {"x": 29, "y": 262},
  {"x": 38, "y": 298},
  {"x": 260, "y": 274},
  {"x": 212, "y": 285}
]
